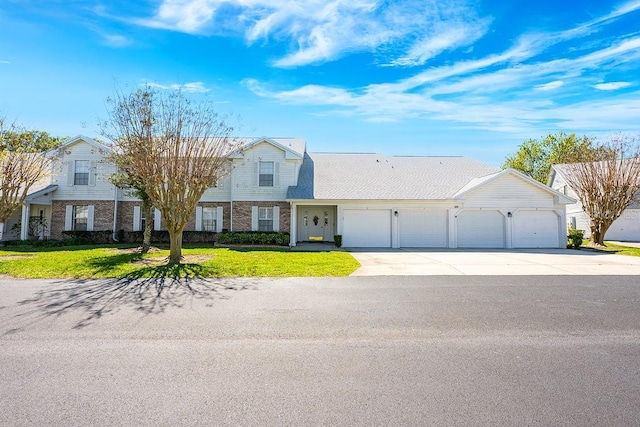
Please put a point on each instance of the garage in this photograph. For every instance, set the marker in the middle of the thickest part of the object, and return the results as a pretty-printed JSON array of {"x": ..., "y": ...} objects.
[
  {"x": 535, "y": 229},
  {"x": 367, "y": 228},
  {"x": 481, "y": 229},
  {"x": 422, "y": 228},
  {"x": 626, "y": 227}
]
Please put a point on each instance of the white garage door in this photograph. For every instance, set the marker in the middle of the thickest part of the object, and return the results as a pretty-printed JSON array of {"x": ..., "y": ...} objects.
[
  {"x": 626, "y": 227},
  {"x": 480, "y": 229},
  {"x": 366, "y": 228},
  {"x": 422, "y": 228},
  {"x": 535, "y": 229}
]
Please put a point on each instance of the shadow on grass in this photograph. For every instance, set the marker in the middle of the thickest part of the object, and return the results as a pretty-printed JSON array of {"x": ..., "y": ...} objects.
[{"x": 148, "y": 291}]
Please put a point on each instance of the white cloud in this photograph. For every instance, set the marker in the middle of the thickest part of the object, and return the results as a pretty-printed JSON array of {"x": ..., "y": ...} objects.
[
  {"x": 115, "y": 40},
  {"x": 191, "y": 87},
  {"x": 550, "y": 86},
  {"x": 5, "y": 62},
  {"x": 323, "y": 30},
  {"x": 611, "y": 85}
]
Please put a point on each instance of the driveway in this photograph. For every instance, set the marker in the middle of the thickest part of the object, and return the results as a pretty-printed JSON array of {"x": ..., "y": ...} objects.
[{"x": 404, "y": 262}]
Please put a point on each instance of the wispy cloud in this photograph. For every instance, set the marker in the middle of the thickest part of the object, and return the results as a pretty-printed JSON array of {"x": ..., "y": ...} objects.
[
  {"x": 4, "y": 62},
  {"x": 115, "y": 40},
  {"x": 611, "y": 85},
  {"x": 550, "y": 86},
  {"x": 191, "y": 87},
  {"x": 323, "y": 30}
]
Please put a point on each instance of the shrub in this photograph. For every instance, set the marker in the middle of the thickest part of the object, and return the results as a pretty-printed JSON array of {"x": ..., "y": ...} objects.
[
  {"x": 78, "y": 237},
  {"x": 576, "y": 237},
  {"x": 253, "y": 238},
  {"x": 337, "y": 240}
]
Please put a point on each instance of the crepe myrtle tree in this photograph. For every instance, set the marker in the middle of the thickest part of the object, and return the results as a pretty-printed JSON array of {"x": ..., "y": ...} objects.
[
  {"x": 607, "y": 181},
  {"x": 23, "y": 164},
  {"x": 173, "y": 149}
]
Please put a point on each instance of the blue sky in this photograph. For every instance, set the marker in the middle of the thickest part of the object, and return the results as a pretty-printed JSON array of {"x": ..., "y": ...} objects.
[{"x": 415, "y": 77}]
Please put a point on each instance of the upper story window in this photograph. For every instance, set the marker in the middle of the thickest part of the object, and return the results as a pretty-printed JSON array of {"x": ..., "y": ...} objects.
[
  {"x": 265, "y": 178},
  {"x": 81, "y": 172}
]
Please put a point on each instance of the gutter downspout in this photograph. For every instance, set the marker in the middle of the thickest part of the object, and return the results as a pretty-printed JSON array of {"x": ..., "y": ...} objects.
[{"x": 115, "y": 215}]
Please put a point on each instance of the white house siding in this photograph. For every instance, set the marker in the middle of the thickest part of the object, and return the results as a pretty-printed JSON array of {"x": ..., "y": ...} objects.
[
  {"x": 102, "y": 190},
  {"x": 243, "y": 180},
  {"x": 509, "y": 191},
  {"x": 7, "y": 232}
]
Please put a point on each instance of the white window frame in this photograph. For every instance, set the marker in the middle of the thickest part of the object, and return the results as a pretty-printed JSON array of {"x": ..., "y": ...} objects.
[
  {"x": 264, "y": 174},
  {"x": 265, "y": 218},
  {"x": 81, "y": 172}
]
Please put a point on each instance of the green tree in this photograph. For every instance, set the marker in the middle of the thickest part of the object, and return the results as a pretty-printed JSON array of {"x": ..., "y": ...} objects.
[
  {"x": 22, "y": 164},
  {"x": 534, "y": 157}
]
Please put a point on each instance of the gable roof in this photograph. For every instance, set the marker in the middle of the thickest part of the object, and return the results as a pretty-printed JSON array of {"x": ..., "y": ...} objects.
[
  {"x": 293, "y": 147},
  {"x": 81, "y": 138},
  {"x": 478, "y": 182},
  {"x": 370, "y": 176}
]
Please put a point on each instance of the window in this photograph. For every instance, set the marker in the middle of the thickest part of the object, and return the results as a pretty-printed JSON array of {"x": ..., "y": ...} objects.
[
  {"x": 81, "y": 172},
  {"x": 143, "y": 219},
  {"x": 208, "y": 219},
  {"x": 266, "y": 174},
  {"x": 265, "y": 219},
  {"x": 80, "y": 217}
]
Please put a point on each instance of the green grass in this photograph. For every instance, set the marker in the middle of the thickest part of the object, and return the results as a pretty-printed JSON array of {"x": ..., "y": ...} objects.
[
  {"x": 119, "y": 261},
  {"x": 622, "y": 250}
]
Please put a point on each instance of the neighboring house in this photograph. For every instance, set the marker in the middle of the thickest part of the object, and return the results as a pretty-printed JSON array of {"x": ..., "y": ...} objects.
[
  {"x": 625, "y": 228},
  {"x": 371, "y": 200}
]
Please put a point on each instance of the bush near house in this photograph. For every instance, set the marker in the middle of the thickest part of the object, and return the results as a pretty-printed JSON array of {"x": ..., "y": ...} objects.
[
  {"x": 253, "y": 238},
  {"x": 576, "y": 237}
]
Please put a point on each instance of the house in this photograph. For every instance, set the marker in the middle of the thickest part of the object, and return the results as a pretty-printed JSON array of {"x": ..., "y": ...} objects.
[
  {"x": 372, "y": 200},
  {"x": 625, "y": 228}
]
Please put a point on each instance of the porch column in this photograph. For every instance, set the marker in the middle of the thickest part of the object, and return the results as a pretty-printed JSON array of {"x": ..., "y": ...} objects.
[
  {"x": 24, "y": 222},
  {"x": 293, "y": 225}
]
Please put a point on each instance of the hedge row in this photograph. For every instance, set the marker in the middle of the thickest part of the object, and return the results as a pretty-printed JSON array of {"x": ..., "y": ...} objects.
[{"x": 253, "y": 238}]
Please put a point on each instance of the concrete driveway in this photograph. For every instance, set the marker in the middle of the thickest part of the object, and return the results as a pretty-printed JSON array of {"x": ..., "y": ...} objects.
[{"x": 401, "y": 262}]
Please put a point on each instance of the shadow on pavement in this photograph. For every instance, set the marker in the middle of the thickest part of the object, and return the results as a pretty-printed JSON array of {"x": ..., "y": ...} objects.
[{"x": 167, "y": 286}]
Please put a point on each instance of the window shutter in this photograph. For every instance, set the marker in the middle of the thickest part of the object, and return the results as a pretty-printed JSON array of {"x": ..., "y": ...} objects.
[
  {"x": 70, "y": 173},
  {"x": 136, "y": 218},
  {"x": 276, "y": 175},
  {"x": 92, "y": 173},
  {"x": 256, "y": 174},
  {"x": 219, "y": 218},
  {"x": 198, "y": 218},
  {"x": 68, "y": 218},
  {"x": 276, "y": 218},
  {"x": 90, "y": 215},
  {"x": 254, "y": 218},
  {"x": 157, "y": 219}
]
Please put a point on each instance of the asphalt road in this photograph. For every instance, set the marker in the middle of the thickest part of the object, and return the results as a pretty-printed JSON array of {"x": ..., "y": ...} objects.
[{"x": 460, "y": 350}]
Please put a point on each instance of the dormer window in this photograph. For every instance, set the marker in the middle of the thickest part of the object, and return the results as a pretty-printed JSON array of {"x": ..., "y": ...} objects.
[
  {"x": 81, "y": 172},
  {"x": 265, "y": 178}
]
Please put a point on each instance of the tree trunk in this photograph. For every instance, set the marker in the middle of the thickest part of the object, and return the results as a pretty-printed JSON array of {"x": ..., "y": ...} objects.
[
  {"x": 598, "y": 230},
  {"x": 148, "y": 227},
  {"x": 175, "y": 249}
]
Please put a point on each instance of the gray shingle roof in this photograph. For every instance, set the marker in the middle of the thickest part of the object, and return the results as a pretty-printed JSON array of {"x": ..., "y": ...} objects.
[{"x": 347, "y": 176}]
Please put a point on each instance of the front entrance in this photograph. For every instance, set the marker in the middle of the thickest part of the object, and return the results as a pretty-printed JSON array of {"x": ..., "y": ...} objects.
[{"x": 316, "y": 223}]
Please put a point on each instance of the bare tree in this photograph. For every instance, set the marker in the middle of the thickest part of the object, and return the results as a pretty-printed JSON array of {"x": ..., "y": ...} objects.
[
  {"x": 22, "y": 165},
  {"x": 174, "y": 148},
  {"x": 606, "y": 182}
]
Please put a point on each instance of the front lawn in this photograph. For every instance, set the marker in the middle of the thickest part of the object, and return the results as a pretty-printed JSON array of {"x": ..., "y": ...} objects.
[
  {"x": 123, "y": 261},
  {"x": 622, "y": 250}
]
